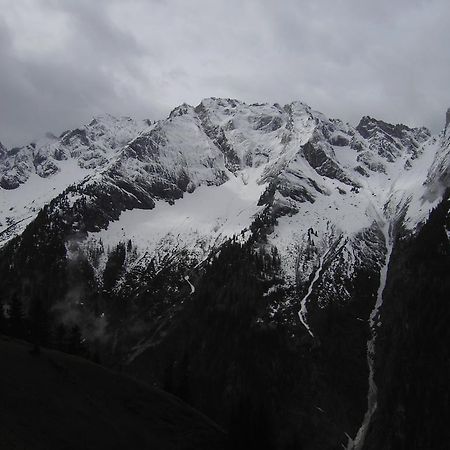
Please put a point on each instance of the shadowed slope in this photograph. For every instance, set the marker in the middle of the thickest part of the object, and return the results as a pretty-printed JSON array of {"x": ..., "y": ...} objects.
[{"x": 58, "y": 401}]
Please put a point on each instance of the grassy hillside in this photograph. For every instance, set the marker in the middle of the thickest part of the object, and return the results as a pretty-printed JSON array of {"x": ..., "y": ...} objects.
[{"x": 58, "y": 401}]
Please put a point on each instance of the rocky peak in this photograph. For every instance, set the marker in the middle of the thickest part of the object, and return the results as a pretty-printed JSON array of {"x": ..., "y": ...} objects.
[
  {"x": 369, "y": 126},
  {"x": 390, "y": 141},
  {"x": 297, "y": 108},
  {"x": 91, "y": 146},
  {"x": 107, "y": 119},
  {"x": 447, "y": 119},
  {"x": 220, "y": 103},
  {"x": 181, "y": 110}
]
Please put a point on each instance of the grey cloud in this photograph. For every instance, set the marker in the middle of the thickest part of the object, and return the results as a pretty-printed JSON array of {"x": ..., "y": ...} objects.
[
  {"x": 96, "y": 72},
  {"x": 142, "y": 58}
]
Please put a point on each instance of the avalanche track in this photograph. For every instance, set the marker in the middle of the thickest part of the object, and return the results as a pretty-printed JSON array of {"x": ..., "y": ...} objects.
[
  {"x": 324, "y": 260},
  {"x": 358, "y": 442}
]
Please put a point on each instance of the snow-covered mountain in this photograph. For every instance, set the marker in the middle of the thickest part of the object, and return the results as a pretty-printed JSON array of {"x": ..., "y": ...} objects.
[
  {"x": 110, "y": 208},
  {"x": 204, "y": 174},
  {"x": 325, "y": 193},
  {"x": 32, "y": 176}
]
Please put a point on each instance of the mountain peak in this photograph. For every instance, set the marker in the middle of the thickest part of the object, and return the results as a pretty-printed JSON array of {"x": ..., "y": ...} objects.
[
  {"x": 368, "y": 126},
  {"x": 181, "y": 110},
  {"x": 108, "y": 120},
  {"x": 391, "y": 140},
  {"x": 221, "y": 101},
  {"x": 447, "y": 118},
  {"x": 298, "y": 104}
]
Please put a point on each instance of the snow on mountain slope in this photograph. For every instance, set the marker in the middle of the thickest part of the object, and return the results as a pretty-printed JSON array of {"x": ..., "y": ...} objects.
[
  {"x": 251, "y": 135},
  {"x": 31, "y": 176},
  {"x": 182, "y": 154},
  {"x": 198, "y": 222},
  {"x": 18, "y": 207},
  {"x": 438, "y": 176},
  {"x": 92, "y": 146},
  {"x": 174, "y": 151},
  {"x": 322, "y": 195},
  {"x": 183, "y": 151},
  {"x": 321, "y": 180},
  {"x": 376, "y": 196},
  {"x": 325, "y": 178}
]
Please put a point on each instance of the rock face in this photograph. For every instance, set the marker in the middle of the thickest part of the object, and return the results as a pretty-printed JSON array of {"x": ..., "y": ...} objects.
[{"x": 228, "y": 226}]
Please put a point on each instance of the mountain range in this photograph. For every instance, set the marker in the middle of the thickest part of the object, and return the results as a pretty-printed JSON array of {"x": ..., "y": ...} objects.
[{"x": 250, "y": 259}]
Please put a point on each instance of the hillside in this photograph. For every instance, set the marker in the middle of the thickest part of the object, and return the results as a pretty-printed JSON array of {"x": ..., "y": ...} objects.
[{"x": 57, "y": 401}]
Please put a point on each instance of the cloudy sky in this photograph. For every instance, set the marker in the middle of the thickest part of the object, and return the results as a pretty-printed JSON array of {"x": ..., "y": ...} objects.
[{"x": 63, "y": 61}]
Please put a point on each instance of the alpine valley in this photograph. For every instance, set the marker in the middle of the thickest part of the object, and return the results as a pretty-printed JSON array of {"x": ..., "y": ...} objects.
[{"x": 284, "y": 273}]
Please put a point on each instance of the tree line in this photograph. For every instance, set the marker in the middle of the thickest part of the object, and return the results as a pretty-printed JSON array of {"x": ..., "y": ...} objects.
[{"x": 38, "y": 327}]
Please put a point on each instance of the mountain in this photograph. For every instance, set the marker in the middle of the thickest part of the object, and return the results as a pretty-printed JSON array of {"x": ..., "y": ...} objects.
[
  {"x": 33, "y": 175},
  {"x": 236, "y": 255}
]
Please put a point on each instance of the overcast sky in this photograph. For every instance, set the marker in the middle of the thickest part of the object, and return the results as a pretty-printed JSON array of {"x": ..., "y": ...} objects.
[{"x": 63, "y": 61}]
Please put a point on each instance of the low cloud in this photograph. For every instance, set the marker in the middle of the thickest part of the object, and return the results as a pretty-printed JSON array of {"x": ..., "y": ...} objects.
[{"x": 65, "y": 61}]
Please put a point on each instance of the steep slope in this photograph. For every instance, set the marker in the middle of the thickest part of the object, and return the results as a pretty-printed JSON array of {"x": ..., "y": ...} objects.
[
  {"x": 54, "y": 401},
  {"x": 31, "y": 176},
  {"x": 412, "y": 354}
]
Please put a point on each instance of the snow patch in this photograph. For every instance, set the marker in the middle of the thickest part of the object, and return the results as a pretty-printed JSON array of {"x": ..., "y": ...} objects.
[
  {"x": 209, "y": 215},
  {"x": 20, "y": 206}
]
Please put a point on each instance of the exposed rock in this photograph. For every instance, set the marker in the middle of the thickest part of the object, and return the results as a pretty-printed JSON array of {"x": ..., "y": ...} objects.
[{"x": 388, "y": 140}]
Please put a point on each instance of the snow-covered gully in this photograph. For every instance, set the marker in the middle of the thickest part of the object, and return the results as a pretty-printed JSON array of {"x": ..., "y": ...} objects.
[
  {"x": 303, "y": 311},
  {"x": 188, "y": 281},
  {"x": 358, "y": 442},
  {"x": 331, "y": 253}
]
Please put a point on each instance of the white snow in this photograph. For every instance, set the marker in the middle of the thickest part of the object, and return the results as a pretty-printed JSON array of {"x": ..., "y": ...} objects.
[
  {"x": 303, "y": 310},
  {"x": 256, "y": 143},
  {"x": 409, "y": 187},
  {"x": 22, "y": 205},
  {"x": 329, "y": 216},
  {"x": 197, "y": 221},
  {"x": 106, "y": 135},
  {"x": 188, "y": 281}
]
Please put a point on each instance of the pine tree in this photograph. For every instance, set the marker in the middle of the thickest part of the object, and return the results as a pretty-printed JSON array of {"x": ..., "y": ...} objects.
[
  {"x": 250, "y": 425},
  {"x": 16, "y": 318},
  {"x": 168, "y": 377},
  {"x": 182, "y": 389},
  {"x": 95, "y": 356},
  {"x": 114, "y": 266},
  {"x": 60, "y": 336},
  {"x": 39, "y": 324},
  {"x": 75, "y": 341},
  {"x": 2, "y": 318}
]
